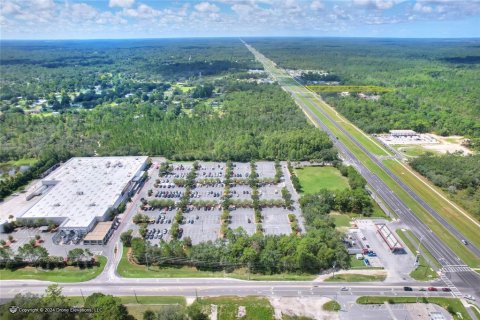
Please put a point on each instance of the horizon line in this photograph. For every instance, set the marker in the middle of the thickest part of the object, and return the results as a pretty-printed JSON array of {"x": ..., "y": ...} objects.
[{"x": 239, "y": 37}]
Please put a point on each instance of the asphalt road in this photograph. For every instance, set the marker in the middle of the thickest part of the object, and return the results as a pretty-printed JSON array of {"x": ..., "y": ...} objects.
[
  {"x": 216, "y": 287},
  {"x": 465, "y": 281}
]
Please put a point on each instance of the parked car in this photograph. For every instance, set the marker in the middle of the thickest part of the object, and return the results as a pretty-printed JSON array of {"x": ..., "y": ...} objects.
[{"x": 469, "y": 297}]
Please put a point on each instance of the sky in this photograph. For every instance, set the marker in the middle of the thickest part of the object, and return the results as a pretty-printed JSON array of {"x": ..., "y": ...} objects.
[{"x": 121, "y": 19}]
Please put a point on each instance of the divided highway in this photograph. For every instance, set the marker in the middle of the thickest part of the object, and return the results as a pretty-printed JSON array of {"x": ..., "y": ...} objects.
[{"x": 466, "y": 280}]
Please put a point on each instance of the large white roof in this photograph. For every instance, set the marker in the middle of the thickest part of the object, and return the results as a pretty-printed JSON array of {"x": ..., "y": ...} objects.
[{"x": 85, "y": 188}]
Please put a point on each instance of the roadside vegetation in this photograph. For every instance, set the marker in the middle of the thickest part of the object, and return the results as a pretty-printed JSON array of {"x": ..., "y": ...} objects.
[
  {"x": 352, "y": 277},
  {"x": 343, "y": 88},
  {"x": 456, "y": 174},
  {"x": 331, "y": 305},
  {"x": 423, "y": 271},
  {"x": 68, "y": 273}
]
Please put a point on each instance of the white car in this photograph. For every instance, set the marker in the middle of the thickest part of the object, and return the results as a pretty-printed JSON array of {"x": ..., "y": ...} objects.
[
  {"x": 469, "y": 297},
  {"x": 344, "y": 289}
]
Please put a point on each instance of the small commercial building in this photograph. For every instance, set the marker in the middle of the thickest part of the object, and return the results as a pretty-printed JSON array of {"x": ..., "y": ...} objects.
[
  {"x": 100, "y": 234},
  {"x": 390, "y": 239},
  {"x": 403, "y": 133}
]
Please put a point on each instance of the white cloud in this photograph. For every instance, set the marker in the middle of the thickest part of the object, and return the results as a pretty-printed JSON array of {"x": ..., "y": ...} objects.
[
  {"x": 120, "y": 3},
  {"x": 83, "y": 11},
  {"x": 206, "y": 7},
  {"x": 9, "y": 7},
  {"x": 317, "y": 5},
  {"x": 376, "y": 4}
]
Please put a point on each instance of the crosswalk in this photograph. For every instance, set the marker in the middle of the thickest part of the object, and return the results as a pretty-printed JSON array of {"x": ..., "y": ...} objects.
[
  {"x": 455, "y": 268},
  {"x": 450, "y": 285}
]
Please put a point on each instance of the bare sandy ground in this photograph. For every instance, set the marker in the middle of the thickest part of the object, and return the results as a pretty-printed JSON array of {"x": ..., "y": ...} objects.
[
  {"x": 447, "y": 145},
  {"x": 361, "y": 271},
  {"x": 302, "y": 306}
]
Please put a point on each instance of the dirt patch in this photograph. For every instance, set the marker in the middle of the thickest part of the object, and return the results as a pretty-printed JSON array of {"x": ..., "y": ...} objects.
[
  {"x": 374, "y": 272},
  {"x": 302, "y": 306},
  {"x": 447, "y": 144}
]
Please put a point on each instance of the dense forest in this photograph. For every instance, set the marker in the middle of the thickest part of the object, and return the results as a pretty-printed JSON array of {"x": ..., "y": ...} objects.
[
  {"x": 35, "y": 69},
  {"x": 435, "y": 82},
  {"x": 457, "y": 174},
  {"x": 261, "y": 122}
]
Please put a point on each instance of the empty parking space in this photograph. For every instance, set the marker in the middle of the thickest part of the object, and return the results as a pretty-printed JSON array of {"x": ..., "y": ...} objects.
[
  {"x": 243, "y": 218},
  {"x": 275, "y": 221},
  {"x": 201, "y": 225},
  {"x": 271, "y": 191},
  {"x": 265, "y": 169}
]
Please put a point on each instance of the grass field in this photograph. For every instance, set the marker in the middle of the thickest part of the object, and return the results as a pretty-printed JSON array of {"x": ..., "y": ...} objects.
[
  {"x": 450, "y": 304},
  {"x": 341, "y": 220},
  {"x": 348, "y": 88},
  {"x": 256, "y": 308},
  {"x": 352, "y": 277},
  {"x": 67, "y": 274},
  {"x": 313, "y": 179},
  {"x": 331, "y": 306},
  {"x": 129, "y": 270},
  {"x": 423, "y": 272}
]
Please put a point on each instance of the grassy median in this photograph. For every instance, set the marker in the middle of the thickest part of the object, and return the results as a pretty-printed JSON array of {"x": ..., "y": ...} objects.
[{"x": 447, "y": 211}]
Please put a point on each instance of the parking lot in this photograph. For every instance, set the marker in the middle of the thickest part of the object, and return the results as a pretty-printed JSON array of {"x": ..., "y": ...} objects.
[
  {"x": 209, "y": 170},
  {"x": 241, "y": 169},
  {"x": 163, "y": 220},
  {"x": 202, "y": 222},
  {"x": 397, "y": 265},
  {"x": 214, "y": 192},
  {"x": 271, "y": 191},
  {"x": 265, "y": 169},
  {"x": 241, "y": 192},
  {"x": 243, "y": 218},
  {"x": 275, "y": 221},
  {"x": 22, "y": 236},
  {"x": 201, "y": 225}
]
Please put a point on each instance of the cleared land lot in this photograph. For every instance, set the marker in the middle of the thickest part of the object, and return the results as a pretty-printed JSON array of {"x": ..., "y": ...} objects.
[{"x": 313, "y": 179}]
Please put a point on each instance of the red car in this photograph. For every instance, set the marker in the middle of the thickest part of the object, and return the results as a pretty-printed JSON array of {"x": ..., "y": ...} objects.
[
  {"x": 432, "y": 289},
  {"x": 446, "y": 289}
]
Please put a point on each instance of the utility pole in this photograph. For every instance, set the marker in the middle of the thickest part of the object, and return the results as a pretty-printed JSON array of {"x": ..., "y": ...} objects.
[
  {"x": 417, "y": 258},
  {"x": 135, "y": 294},
  {"x": 81, "y": 292},
  {"x": 334, "y": 265}
]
